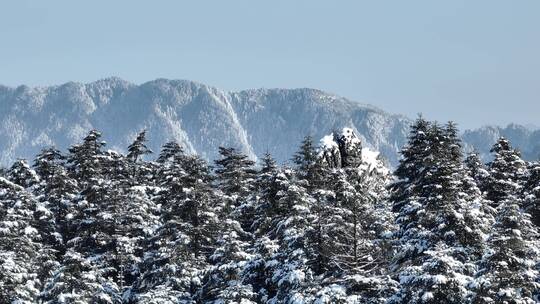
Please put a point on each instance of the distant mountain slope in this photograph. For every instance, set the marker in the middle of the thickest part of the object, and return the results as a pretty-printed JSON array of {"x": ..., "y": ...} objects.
[
  {"x": 198, "y": 116},
  {"x": 523, "y": 138}
]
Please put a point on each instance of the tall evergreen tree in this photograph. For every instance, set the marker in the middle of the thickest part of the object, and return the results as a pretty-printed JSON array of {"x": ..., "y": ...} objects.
[
  {"x": 508, "y": 270},
  {"x": 177, "y": 254},
  {"x": 235, "y": 177},
  {"x": 506, "y": 172},
  {"x": 532, "y": 193},
  {"x": 290, "y": 276},
  {"x": 439, "y": 231},
  {"x": 477, "y": 170},
  {"x": 84, "y": 159},
  {"x": 47, "y": 162},
  {"x": 234, "y": 172},
  {"x": 24, "y": 259},
  {"x": 169, "y": 151},
  {"x": 21, "y": 174},
  {"x": 89, "y": 261},
  {"x": 56, "y": 193},
  {"x": 138, "y": 148},
  {"x": 411, "y": 166},
  {"x": 309, "y": 167}
]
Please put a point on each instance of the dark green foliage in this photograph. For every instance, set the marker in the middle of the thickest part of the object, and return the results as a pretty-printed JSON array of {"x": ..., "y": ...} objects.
[{"x": 138, "y": 148}]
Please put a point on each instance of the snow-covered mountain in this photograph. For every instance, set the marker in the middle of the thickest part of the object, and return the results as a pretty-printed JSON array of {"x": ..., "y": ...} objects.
[
  {"x": 198, "y": 116},
  {"x": 201, "y": 118},
  {"x": 526, "y": 139}
]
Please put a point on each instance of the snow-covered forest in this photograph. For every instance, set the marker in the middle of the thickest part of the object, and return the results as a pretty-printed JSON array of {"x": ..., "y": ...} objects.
[{"x": 335, "y": 225}]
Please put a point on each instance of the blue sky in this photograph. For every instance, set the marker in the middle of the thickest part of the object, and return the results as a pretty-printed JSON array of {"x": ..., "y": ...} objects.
[{"x": 475, "y": 62}]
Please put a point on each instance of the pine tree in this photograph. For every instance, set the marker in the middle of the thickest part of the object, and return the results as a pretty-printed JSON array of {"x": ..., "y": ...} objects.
[
  {"x": 532, "y": 193},
  {"x": 21, "y": 174},
  {"x": 411, "y": 166},
  {"x": 235, "y": 177},
  {"x": 477, "y": 170},
  {"x": 309, "y": 167},
  {"x": 224, "y": 282},
  {"x": 56, "y": 193},
  {"x": 440, "y": 234},
  {"x": 177, "y": 254},
  {"x": 24, "y": 259},
  {"x": 234, "y": 172},
  {"x": 90, "y": 254},
  {"x": 267, "y": 170},
  {"x": 169, "y": 151},
  {"x": 47, "y": 162},
  {"x": 290, "y": 275},
  {"x": 138, "y": 148},
  {"x": 306, "y": 156},
  {"x": 84, "y": 159},
  {"x": 506, "y": 172},
  {"x": 508, "y": 272}
]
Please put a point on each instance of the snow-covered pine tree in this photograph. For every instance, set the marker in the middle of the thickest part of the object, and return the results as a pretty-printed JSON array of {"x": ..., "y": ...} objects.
[
  {"x": 136, "y": 151},
  {"x": 47, "y": 162},
  {"x": 532, "y": 193},
  {"x": 477, "y": 170},
  {"x": 84, "y": 159},
  {"x": 235, "y": 177},
  {"x": 127, "y": 216},
  {"x": 355, "y": 224},
  {"x": 267, "y": 213},
  {"x": 176, "y": 256},
  {"x": 439, "y": 232},
  {"x": 307, "y": 162},
  {"x": 506, "y": 172},
  {"x": 508, "y": 270},
  {"x": 138, "y": 148},
  {"x": 290, "y": 276},
  {"x": 224, "y": 281},
  {"x": 169, "y": 151},
  {"x": 235, "y": 173},
  {"x": 268, "y": 167},
  {"x": 90, "y": 250},
  {"x": 24, "y": 260},
  {"x": 21, "y": 174},
  {"x": 411, "y": 166},
  {"x": 55, "y": 193}
]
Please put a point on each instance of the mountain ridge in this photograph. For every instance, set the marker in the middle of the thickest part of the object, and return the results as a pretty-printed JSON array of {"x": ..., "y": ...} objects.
[{"x": 199, "y": 116}]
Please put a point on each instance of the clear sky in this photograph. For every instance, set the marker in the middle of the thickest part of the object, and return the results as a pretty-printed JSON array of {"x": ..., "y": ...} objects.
[{"x": 475, "y": 62}]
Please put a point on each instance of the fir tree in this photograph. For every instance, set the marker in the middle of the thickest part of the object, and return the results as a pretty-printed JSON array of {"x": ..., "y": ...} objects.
[
  {"x": 138, "y": 148},
  {"x": 234, "y": 172},
  {"x": 290, "y": 275},
  {"x": 439, "y": 232},
  {"x": 21, "y": 174},
  {"x": 508, "y": 272},
  {"x": 309, "y": 167},
  {"x": 235, "y": 177},
  {"x": 506, "y": 172},
  {"x": 84, "y": 159},
  {"x": 24, "y": 259},
  {"x": 532, "y": 193},
  {"x": 47, "y": 162},
  {"x": 169, "y": 151},
  {"x": 177, "y": 254},
  {"x": 477, "y": 170},
  {"x": 90, "y": 249}
]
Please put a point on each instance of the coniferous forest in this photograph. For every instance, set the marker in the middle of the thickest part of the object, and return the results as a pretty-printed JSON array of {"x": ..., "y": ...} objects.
[{"x": 91, "y": 225}]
